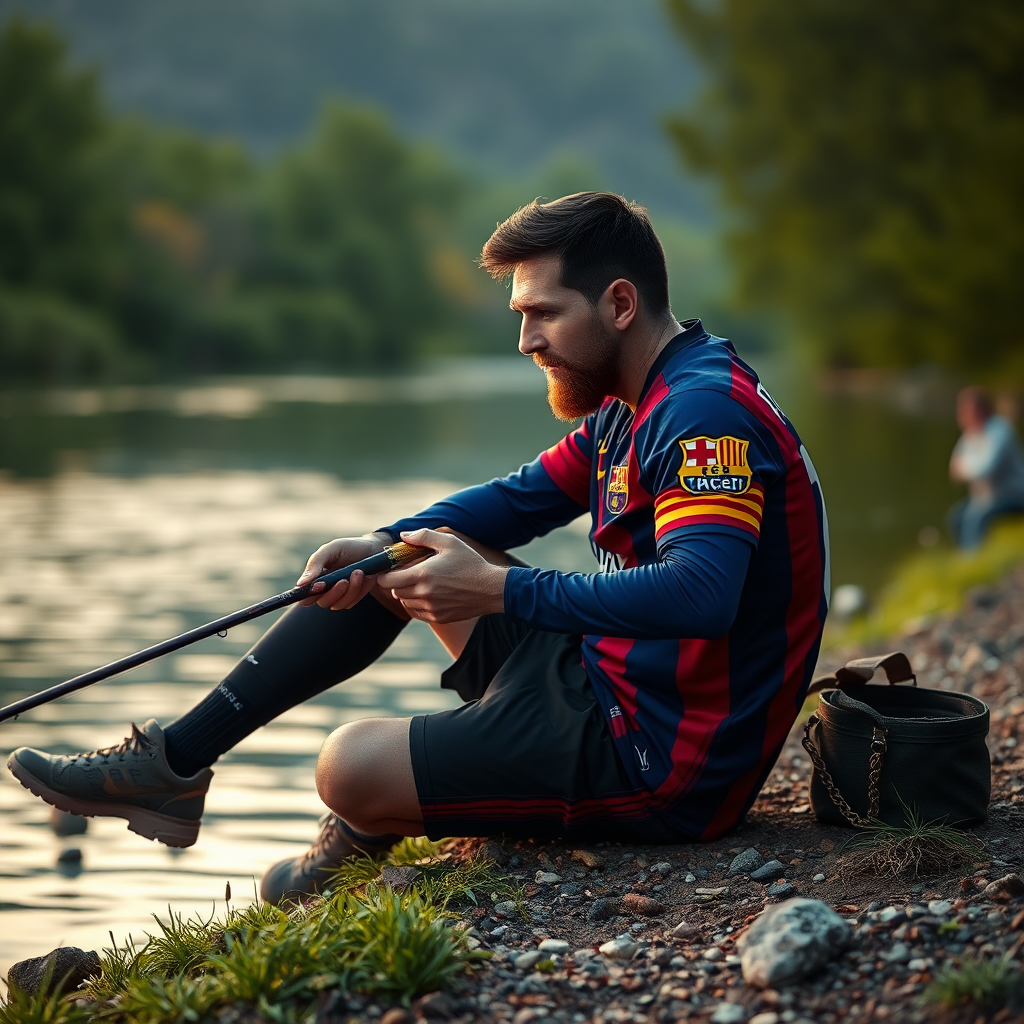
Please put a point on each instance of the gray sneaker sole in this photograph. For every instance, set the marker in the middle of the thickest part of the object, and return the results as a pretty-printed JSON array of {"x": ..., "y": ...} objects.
[{"x": 148, "y": 824}]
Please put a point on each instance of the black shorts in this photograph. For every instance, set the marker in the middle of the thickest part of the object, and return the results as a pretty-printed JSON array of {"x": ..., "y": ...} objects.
[{"x": 530, "y": 753}]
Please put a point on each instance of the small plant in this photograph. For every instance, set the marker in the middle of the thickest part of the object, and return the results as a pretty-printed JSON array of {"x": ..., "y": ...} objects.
[
  {"x": 916, "y": 848},
  {"x": 989, "y": 984},
  {"x": 162, "y": 1000},
  {"x": 181, "y": 949}
]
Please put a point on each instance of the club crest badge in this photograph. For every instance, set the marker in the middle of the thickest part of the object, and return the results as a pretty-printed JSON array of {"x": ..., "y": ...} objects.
[
  {"x": 618, "y": 489},
  {"x": 714, "y": 465}
]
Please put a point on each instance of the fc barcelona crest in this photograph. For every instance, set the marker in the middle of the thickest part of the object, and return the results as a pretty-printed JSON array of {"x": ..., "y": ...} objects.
[
  {"x": 714, "y": 465},
  {"x": 618, "y": 488}
]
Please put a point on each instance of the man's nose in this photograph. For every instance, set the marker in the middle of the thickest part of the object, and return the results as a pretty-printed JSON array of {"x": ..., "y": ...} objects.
[{"x": 531, "y": 340}]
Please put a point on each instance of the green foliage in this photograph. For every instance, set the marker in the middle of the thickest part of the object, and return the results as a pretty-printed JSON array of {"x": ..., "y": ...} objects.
[
  {"x": 126, "y": 247},
  {"x": 57, "y": 214},
  {"x": 871, "y": 157},
  {"x": 987, "y": 984},
  {"x": 181, "y": 948},
  {"x": 359, "y": 938},
  {"x": 39, "y": 1008},
  {"x": 42, "y": 334},
  {"x": 935, "y": 582}
]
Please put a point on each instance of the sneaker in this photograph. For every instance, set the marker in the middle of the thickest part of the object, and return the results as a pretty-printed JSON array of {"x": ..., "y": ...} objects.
[
  {"x": 294, "y": 877},
  {"x": 131, "y": 780}
]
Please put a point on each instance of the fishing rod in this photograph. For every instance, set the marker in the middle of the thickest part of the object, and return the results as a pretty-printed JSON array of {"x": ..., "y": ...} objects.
[{"x": 393, "y": 556}]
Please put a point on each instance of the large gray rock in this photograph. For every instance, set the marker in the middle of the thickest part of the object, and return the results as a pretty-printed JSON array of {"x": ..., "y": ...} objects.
[
  {"x": 791, "y": 940},
  {"x": 71, "y": 966}
]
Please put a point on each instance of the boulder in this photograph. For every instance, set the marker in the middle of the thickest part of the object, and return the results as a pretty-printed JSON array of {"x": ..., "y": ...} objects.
[
  {"x": 791, "y": 940},
  {"x": 68, "y": 967},
  {"x": 399, "y": 876}
]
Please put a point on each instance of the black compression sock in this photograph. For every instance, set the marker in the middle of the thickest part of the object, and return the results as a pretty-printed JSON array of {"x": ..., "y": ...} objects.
[{"x": 307, "y": 651}]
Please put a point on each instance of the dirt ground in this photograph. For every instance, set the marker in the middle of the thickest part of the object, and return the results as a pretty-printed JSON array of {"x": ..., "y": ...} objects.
[{"x": 905, "y": 929}]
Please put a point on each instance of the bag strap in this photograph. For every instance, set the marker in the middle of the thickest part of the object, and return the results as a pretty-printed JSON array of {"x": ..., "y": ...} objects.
[
  {"x": 878, "y": 747},
  {"x": 896, "y": 666}
]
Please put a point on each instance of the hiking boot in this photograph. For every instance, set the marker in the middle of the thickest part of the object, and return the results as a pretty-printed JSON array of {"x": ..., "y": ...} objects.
[
  {"x": 131, "y": 780},
  {"x": 307, "y": 874}
]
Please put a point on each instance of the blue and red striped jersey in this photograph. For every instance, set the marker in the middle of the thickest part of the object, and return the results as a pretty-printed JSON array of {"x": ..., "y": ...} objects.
[{"x": 701, "y": 631}]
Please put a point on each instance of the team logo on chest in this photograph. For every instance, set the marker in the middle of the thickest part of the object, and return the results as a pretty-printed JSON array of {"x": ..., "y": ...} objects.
[
  {"x": 618, "y": 488},
  {"x": 714, "y": 465}
]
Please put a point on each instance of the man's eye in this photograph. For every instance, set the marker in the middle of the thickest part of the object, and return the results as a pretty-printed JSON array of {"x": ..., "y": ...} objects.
[{"x": 547, "y": 314}]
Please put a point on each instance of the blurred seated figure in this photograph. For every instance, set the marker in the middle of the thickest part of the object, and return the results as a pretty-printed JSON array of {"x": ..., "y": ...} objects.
[{"x": 988, "y": 458}]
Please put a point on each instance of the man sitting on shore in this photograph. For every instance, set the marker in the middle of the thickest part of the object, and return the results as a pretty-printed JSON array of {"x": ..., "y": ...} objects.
[{"x": 647, "y": 701}]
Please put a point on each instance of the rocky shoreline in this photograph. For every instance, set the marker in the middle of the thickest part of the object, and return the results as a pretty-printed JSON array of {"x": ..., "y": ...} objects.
[{"x": 657, "y": 934}]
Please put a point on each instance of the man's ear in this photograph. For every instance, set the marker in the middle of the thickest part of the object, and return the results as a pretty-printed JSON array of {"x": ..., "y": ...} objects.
[{"x": 620, "y": 303}]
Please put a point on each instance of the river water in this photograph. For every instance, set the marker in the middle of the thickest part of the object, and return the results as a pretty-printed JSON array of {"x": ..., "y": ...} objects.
[{"x": 128, "y": 514}]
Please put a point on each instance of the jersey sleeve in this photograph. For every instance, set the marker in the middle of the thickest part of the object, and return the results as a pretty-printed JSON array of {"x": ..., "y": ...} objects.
[
  {"x": 509, "y": 511},
  {"x": 707, "y": 461}
]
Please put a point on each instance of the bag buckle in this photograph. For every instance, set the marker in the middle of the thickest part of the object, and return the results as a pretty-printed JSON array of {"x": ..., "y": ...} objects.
[{"x": 878, "y": 740}]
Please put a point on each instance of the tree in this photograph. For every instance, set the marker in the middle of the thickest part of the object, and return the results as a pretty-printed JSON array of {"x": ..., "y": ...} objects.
[
  {"x": 872, "y": 160},
  {"x": 57, "y": 216}
]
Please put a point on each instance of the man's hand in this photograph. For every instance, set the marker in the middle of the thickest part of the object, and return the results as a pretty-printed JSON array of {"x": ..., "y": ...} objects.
[
  {"x": 455, "y": 585},
  {"x": 334, "y": 555}
]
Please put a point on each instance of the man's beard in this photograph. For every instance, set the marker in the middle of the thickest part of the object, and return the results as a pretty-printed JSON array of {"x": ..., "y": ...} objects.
[{"x": 579, "y": 390}]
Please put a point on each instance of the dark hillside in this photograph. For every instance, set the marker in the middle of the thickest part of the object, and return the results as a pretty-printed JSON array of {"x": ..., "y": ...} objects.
[{"x": 507, "y": 86}]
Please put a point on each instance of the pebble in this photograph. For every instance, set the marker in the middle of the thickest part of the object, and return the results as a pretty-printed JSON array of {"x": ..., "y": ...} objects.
[
  {"x": 547, "y": 878},
  {"x": 940, "y": 908},
  {"x": 661, "y": 868},
  {"x": 399, "y": 876},
  {"x": 437, "y": 1006},
  {"x": 644, "y": 906},
  {"x": 690, "y": 877},
  {"x": 604, "y": 909},
  {"x": 620, "y": 948},
  {"x": 767, "y": 1017},
  {"x": 729, "y": 1013},
  {"x": 526, "y": 960},
  {"x": 791, "y": 940},
  {"x": 918, "y": 965},
  {"x": 64, "y": 823},
  {"x": 72, "y": 855},
  {"x": 746, "y": 862},
  {"x": 890, "y": 914},
  {"x": 588, "y": 859},
  {"x": 683, "y": 930},
  {"x": 819, "y": 877},
  {"x": 769, "y": 872},
  {"x": 899, "y": 954},
  {"x": 70, "y": 967},
  {"x": 779, "y": 889},
  {"x": 719, "y": 891},
  {"x": 550, "y": 946},
  {"x": 505, "y": 909},
  {"x": 398, "y": 1015},
  {"x": 1009, "y": 887},
  {"x": 713, "y": 954}
]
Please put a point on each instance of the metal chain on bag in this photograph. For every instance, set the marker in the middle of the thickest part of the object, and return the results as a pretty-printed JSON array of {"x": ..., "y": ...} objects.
[{"x": 878, "y": 746}]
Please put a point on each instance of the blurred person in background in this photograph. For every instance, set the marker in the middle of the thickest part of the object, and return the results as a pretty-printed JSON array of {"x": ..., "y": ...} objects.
[{"x": 989, "y": 460}]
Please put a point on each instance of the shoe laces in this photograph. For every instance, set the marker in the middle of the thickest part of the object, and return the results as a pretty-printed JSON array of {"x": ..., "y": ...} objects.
[
  {"x": 330, "y": 828},
  {"x": 137, "y": 744}
]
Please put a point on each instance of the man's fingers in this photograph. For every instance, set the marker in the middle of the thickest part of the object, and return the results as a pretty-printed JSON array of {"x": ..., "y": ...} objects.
[{"x": 430, "y": 539}]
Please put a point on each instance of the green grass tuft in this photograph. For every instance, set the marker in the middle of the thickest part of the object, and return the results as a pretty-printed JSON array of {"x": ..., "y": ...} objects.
[
  {"x": 914, "y": 849},
  {"x": 360, "y": 937},
  {"x": 989, "y": 985}
]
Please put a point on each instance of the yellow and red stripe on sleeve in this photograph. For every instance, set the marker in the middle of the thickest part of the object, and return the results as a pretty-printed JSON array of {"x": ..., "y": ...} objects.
[{"x": 676, "y": 508}]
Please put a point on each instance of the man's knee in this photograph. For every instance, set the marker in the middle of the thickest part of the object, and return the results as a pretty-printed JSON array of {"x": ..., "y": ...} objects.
[{"x": 360, "y": 764}]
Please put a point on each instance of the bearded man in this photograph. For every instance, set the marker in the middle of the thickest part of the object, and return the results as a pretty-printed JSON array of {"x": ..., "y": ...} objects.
[{"x": 647, "y": 701}]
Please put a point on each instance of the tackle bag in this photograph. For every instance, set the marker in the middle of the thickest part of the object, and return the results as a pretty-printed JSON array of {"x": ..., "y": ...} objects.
[{"x": 886, "y": 753}]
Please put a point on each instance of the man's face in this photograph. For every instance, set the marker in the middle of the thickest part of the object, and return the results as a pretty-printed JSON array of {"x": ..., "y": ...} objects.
[{"x": 566, "y": 336}]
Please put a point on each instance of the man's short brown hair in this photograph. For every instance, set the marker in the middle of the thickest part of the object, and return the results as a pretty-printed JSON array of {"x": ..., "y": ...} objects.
[{"x": 599, "y": 237}]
